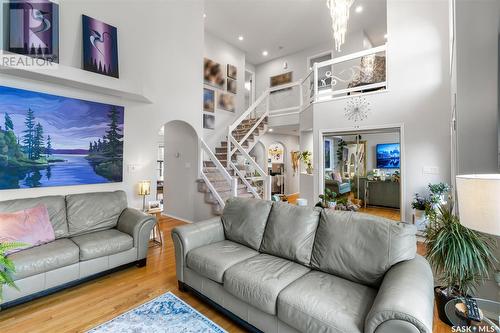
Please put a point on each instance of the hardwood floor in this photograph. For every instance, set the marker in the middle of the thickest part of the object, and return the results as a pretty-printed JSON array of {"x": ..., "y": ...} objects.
[
  {"x": 82, "y": 307},
  {"x": 388, "y": 213}
]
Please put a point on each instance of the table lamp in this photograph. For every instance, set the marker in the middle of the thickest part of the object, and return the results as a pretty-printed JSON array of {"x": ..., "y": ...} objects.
[
  {"x": 144, "y": 190},
  {"x": 479, "y": 204}
]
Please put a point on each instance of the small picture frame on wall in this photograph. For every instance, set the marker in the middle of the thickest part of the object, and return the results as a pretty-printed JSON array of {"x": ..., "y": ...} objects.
[
  {"x": 155, "y": 204},
  {"x": 213, "y": 73},
  {"x": 280, "y": 79},
  {"x": 232, "y": 71},
  {"x": 208, "y": 100},
  {"x": 231, "y": 86},
  {"x": 208, "y": 121},
  {"x": 226, "y": 102}
]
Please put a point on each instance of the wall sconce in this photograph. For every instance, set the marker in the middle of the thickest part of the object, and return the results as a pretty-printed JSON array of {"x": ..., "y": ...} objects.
[{"x": 144, "y": 190}]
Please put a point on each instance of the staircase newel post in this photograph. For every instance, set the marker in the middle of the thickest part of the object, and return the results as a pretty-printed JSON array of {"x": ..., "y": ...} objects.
[{"x": 234, "y": 187}]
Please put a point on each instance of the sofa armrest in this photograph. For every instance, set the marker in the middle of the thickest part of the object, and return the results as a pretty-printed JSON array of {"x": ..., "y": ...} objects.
[
  {"x": 194, "y": 235},
  {"x": 138, "y": 225},
  {"x": 405, "y": 300}
]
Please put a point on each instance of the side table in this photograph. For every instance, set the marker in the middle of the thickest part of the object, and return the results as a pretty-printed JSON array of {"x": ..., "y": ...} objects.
[
  {"x": 156, "y": 238},
  {"x": 490, "y": 310}
]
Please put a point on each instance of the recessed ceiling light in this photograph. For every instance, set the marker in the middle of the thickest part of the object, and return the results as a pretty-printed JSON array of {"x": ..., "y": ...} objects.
[
  {"x": 385, "y": 36},
  {"x": 359, "y": 9},
  {"x": 265, "y": 53},
  {"x": 204, "y": 15},
  {"x": 240, "y": 37},
  {"x": 270, "y": 130}
]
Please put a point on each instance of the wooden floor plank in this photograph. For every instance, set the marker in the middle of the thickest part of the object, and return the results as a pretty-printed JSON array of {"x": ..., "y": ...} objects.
[{"x": 82, "y": 307}]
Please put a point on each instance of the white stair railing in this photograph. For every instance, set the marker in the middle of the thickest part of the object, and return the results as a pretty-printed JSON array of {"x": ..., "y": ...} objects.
[{"x": 232, "y": 181}]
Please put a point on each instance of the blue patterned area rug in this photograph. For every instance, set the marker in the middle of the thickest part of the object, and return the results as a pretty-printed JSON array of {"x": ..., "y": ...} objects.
[{"x": 166, "y": 313}]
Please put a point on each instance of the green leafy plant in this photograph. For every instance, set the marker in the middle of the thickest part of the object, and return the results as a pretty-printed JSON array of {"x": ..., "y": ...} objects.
[
  {"x": 419, "y": 202},
  {"x": 439, "y": 189},
  {"x": 306, "y": 157},
  {"x": 328, "y": 196},
  {"x": 7, "y": 267},
  {"x": 340, "y": 151},
  {"x": 462, "y": 257}
]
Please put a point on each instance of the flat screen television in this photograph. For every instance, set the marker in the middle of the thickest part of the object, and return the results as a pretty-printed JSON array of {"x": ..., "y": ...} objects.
[{"x": 388, "y": 156}]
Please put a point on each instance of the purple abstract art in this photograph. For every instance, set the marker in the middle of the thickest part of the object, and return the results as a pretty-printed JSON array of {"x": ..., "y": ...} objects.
[
  {"x": 100, "y": 47},
  {"x": 34, "y": 29}
]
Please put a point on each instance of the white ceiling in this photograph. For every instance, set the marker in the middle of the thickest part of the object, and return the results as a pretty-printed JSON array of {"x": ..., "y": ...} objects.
[{"x": 284, "y": 27}]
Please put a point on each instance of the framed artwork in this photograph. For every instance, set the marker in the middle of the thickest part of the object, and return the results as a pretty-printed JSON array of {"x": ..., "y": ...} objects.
[
  {"x": 226, "y": 102},
  {"x": 42, "y": 144},
  {"x": 231, "y": 86},
  {"x": 212, "y": 74},
  {"x": 280, "y": 79},
  {"x": 100, "y": 47},
  {"x": 328, "y": 154},
  {"x": 208, "y": 100},
  {"x": 209, "y": 121},
  {"x": 33, "y": 29},
  {"x": 275, "y": 153},
  {"x": 232, "y": 71}
]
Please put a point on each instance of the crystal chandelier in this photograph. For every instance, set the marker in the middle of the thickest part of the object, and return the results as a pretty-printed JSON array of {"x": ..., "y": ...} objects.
[{"x": 339, "y": 12}]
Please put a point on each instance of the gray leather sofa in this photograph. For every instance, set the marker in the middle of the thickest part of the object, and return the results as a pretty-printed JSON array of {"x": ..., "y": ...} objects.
[
  {"x": 280, "y": 268},
  {"x": 95, "y": 233}
]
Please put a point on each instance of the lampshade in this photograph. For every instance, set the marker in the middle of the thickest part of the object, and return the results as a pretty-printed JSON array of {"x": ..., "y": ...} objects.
[
  {"x": 479, "y": 202},
  {"x": 144, "y": 187}
]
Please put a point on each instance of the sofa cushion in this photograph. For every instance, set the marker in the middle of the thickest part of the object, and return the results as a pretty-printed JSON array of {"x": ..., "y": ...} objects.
[
  {"x": 102, "y": 243},
  {"x": 244, "y": 220},
  {"x": 44, "y": 258},
  {"x": 320, "y": 302},
  {"x": 290, "y": 232},
  {"x": 361, "y": 247},
  {"x": 90, "y": 212},
  {"x": 214, "y": 259},
  {"x": 260, "y": 279},
  {"x": 30, "y": 226},
  {"x": 56, "y": 207}
]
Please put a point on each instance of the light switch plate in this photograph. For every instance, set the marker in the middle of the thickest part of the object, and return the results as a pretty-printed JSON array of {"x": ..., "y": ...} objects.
[{"x": 430, "y": 170}]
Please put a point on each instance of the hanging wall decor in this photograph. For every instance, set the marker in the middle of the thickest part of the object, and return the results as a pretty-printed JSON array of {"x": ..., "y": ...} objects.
[
  {"x": 208, "y": 100},
  {"x": 231, "y": 86},
  {"x": 100, "y": 47},
  {"x": 357, "y": 109},
  {"x": 213, "y": 74},
  {"x": 226, "y": 102},
  {"x": 232, "y": 71},
  {"x": 33, "y": 29},
  {"x": 48, "y": 140},
  {"x": 209, "y": 121}
]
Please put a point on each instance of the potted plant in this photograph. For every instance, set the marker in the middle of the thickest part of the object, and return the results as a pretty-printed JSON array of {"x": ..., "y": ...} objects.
[
  {"x": 420, "y": 206},
  {"x": 460, "y": 256},
  {"x": 327, "y": 199},
  {"x": 7, "y": 267},
  {"x": 439, "y": 193},
  {"x": 306, "y": 157}
]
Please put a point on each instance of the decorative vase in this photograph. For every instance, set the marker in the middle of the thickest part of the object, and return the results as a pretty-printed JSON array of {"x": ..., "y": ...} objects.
[
  {"x": 332, "y": 204},
  {"x": 309, "y": 170},
  {"x": 441, "y": 300},
  {"x": 419, "y": 219}
]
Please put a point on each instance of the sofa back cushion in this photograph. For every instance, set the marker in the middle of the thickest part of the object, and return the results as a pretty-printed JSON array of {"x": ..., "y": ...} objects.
[
  {"x": 90, "y": 212},
  {"x": 55, "y": 206},
  {"x": 244, "y": 220},
  {"x": 361, "y": 247},
  {"x": 290, "y": 232}
]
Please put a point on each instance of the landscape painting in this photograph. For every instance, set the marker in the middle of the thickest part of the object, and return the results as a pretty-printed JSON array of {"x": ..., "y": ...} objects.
[
  {"x": 100, "y": 47},
  {"x": 48, "y": 140},
  {"x": 33, "y": 29}
]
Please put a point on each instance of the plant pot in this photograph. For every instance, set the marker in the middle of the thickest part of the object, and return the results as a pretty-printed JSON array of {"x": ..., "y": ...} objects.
[
  {"x": 309, "y": 170},
  {"x": 441, "y": 300},
  {"x": 419, "y": 219},
  {"x": 332, "y": 204}
]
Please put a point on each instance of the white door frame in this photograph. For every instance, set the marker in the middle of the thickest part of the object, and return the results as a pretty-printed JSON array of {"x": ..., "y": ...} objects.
[{"x": 353, "y": 130}]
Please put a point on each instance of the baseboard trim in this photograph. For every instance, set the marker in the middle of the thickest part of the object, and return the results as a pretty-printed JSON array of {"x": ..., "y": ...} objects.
[{"x": 176, "y": 217}]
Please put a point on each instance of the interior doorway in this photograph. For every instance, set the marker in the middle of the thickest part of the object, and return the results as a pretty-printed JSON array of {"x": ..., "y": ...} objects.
[
  {"x": 364, "y": 169},
  {"x": 249, "y": 88}
]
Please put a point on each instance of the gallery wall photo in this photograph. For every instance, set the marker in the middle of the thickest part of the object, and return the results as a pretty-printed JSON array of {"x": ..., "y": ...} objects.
[
  {"x": 33, "y": 29},
  {"x": 100, "y": 47},
  {"x": 48, "y": 140}
]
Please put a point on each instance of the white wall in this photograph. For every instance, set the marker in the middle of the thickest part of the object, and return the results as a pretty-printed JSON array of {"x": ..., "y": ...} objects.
[
  {"x": 224, "y": 53},
  {"x": 167, "y": 62},
  {"x": 418, "y": 95}
]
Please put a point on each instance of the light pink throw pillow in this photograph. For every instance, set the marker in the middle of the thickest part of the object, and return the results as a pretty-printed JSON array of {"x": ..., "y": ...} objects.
[
  {"x": 337, "y": 177},
  {"x": 31, "y": 226}
]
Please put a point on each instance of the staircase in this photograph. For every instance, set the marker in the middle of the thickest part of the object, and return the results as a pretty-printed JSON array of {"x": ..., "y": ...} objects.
[{"x": 214, "y": 175}]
